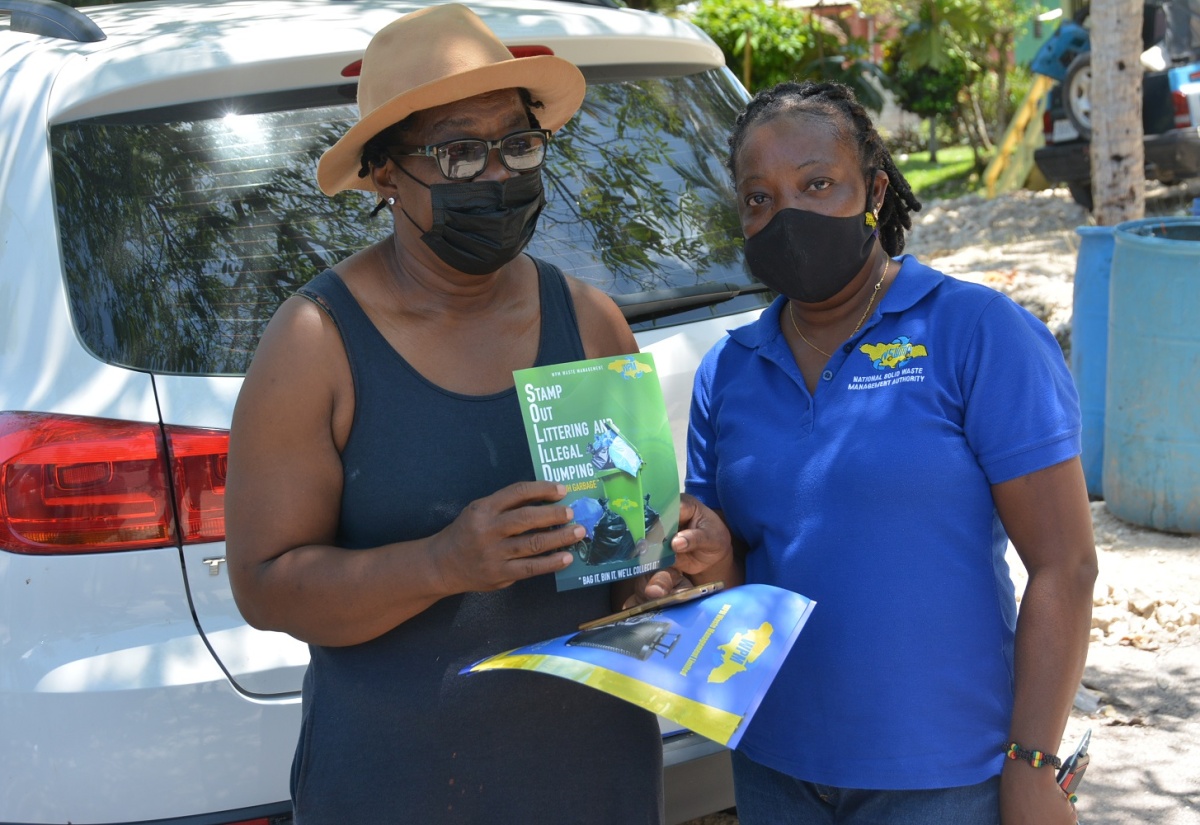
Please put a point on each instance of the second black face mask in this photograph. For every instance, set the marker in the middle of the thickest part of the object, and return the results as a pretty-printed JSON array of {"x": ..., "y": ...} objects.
[
  {"x": 480, "y": 226},
  {"x": 808, "y": 256}
]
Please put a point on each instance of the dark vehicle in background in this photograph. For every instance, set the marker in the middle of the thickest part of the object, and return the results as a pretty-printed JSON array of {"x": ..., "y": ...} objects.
[{"x": 1170, "y": 98}]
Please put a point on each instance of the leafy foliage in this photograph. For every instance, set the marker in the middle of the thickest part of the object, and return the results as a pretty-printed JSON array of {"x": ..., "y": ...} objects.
[
  {"x": 924, "y": 90},
  {"x": 780, "y": 38},
  {"x": 935, "y": 32},
  {"x": 765, "y": 44},
  {"x": 958, "y": 36}
]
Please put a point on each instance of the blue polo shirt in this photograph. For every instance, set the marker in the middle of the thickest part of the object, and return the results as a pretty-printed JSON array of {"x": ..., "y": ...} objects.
[{"x": 872, "y": 496}]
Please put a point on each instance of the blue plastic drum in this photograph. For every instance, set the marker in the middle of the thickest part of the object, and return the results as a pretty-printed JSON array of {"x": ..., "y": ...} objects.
[
  {"x": 1152, "y": 396},
  {"x": 1089, "y": 344}
]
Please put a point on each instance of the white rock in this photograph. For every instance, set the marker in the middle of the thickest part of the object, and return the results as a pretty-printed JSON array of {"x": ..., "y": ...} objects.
[
  {"x": 1167, "y": 616},
  {"x": 1142, "y": 605},
  {"x": 1105, "y": 615}
]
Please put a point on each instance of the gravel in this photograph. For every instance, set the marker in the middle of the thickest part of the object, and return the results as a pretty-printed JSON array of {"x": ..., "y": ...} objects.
[{"x": 1023, "y": 243}]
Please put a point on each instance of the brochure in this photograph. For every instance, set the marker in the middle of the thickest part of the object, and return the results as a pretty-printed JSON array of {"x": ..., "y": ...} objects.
[
  {"x": 600, "y": 428},
  {"x": 704, "y": 664}
]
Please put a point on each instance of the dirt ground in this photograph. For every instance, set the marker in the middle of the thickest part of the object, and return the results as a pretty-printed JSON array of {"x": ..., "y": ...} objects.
[{"x": 1140, "y": 694}]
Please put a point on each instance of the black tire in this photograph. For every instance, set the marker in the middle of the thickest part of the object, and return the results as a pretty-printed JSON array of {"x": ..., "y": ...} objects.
[
  {"x": 1077, "y": 94},
  {"x": 1081, "y": 193}
]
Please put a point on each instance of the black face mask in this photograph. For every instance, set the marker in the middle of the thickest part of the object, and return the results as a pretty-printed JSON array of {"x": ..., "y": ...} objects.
[
  {"x": 808, "y": 256},
  {"x": 479, "y": 226}
]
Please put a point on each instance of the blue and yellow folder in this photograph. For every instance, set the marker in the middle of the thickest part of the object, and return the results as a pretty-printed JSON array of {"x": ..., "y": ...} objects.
[{"x": 704, "y": 664}]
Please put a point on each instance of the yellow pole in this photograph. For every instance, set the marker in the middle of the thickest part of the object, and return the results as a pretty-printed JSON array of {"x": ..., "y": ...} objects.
[{"x": 1017, "y": 131}]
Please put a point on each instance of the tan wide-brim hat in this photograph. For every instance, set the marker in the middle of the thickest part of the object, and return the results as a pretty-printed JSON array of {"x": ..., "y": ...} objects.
[{"x": 435, "y": 56}]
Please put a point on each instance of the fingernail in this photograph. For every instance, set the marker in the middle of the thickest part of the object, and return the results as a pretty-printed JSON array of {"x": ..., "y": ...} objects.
[
  {"x": 560, "y": 489},
  {"x": 579, "y": 532},
  {"x": 570, "y": 513}
]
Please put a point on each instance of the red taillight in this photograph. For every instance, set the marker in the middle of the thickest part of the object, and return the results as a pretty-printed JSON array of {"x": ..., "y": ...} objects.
[
  {"x": 70, "y": 484},
  {"x": 1047, "y": 125},
  {"x": 352, "y": 69},
  {"x": 1183, "y": 116},
  {"x": 199, "y": 460}
]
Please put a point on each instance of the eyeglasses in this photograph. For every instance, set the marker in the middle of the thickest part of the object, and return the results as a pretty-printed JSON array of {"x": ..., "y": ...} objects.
[{"x": 465, "y": 159}]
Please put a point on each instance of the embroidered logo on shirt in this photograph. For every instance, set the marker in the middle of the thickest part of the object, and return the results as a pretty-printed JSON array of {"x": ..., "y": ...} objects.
[{"x": 890, "y": 356}]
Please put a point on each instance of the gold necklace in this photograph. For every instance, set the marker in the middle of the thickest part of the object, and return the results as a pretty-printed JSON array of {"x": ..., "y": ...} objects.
[{"x": 858, "y": 326}]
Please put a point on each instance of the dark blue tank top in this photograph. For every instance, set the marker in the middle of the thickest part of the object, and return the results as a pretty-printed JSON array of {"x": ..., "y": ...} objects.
[{"x": 390, "y": 731}]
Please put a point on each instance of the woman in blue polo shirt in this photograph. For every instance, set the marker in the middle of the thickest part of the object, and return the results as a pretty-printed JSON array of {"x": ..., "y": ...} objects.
[{"x": 874, "y": 441}]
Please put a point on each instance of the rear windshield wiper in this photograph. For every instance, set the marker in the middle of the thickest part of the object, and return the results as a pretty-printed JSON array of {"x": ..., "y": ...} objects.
[{"x": 646, "y": 306}]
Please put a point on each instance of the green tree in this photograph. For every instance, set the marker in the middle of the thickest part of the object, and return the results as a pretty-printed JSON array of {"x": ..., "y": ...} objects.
[
  {"x": 929, "y": 62},
  {"x": 986, "y": 43},
  {"x": 924, "y": 90},
  {"x": 978, "y": 34},
  {"x": 765, "y": 44},
  {"x": 934, "y": 32}
]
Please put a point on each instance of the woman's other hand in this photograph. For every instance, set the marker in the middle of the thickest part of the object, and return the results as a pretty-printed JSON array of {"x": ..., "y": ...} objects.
[
  {"x": 650, "y": 586},
  {"x": 1030, "y": 796},
  {"x": 704, "y": 552},
  {"x": 505, "y": 537},
  {"x": 704, "y": 548}
]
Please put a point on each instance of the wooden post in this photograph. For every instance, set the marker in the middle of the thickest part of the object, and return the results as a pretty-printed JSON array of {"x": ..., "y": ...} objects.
[{"x": 1117, "y": 153}]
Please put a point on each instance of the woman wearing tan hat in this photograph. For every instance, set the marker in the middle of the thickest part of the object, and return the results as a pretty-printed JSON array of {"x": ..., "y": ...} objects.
[{"x": 381, "y": 501}]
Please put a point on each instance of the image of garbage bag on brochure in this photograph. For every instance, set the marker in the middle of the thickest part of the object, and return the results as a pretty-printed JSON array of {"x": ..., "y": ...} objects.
[{"x": 622, "y": 524}]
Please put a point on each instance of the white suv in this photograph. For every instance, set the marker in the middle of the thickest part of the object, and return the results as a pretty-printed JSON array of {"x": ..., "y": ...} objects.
[{"x": 157, "y": 202}]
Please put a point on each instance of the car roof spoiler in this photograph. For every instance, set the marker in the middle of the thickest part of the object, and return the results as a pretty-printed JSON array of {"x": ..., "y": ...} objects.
[{"x": 51, "y": 19}]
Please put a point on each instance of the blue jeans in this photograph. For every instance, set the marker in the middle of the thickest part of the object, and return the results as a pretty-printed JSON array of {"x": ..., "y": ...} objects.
[{"x": 768, "y": 797}]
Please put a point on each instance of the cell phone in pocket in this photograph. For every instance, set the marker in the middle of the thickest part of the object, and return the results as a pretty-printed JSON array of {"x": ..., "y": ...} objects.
[{"x": 1073, "y": 767}]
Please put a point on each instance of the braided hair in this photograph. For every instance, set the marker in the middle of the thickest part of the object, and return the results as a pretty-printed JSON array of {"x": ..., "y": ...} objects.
[{"x": 838, "y": 103}]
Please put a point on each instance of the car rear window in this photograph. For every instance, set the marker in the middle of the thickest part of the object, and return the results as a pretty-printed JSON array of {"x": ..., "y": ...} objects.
[{"x": 184, "y": 228}]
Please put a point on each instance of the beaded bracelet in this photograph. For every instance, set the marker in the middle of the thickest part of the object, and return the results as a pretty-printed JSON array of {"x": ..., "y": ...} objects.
[{"x": 1035, "y": 758}]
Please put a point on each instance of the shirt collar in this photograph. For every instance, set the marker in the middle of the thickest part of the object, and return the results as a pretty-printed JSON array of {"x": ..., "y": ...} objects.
[{"x": 912, "y": 283}]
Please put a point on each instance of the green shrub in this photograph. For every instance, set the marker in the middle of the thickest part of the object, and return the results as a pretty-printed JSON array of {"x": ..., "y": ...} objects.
[
  {"x": 782, "y": 40},
  {"x": 788, "y": 44}
]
